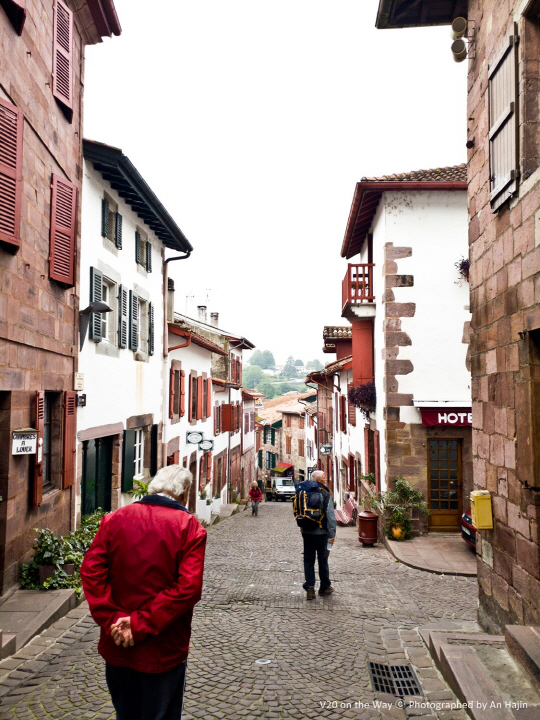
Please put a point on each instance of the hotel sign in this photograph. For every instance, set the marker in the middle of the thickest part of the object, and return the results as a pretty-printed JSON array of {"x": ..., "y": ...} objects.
[{"x": 447, "y": 417}]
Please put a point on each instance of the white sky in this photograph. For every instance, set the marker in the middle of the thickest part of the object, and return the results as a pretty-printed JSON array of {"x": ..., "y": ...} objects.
[{"x": 252, "y": 120}]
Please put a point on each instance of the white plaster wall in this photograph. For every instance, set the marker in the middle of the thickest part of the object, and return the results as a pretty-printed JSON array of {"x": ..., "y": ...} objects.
[{"x": 118, "y": 386}]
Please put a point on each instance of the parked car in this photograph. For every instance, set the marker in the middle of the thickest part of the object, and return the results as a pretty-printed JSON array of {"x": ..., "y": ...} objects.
[
  {"x": 279, "y": 488},
  {"x": 468, "y": 531}
]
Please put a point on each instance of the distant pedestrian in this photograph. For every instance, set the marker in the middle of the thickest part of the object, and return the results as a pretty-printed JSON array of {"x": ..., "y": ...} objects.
[
  {"x": 142, "y": 576},
  {"x": 314, "y": 512},
  {"x": 255, "y": 494}
]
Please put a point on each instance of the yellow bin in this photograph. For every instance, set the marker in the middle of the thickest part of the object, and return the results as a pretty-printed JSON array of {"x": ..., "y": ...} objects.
[{"x": 481, "y": 514}]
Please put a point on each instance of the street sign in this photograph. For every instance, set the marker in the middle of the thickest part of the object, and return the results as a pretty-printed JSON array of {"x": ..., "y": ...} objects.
[
  {"x": 194, "y": 438},
  {"x": 24, "y": 442},
  {"x": 205, "y": 445},
  {"x": 325, "y": 449}
]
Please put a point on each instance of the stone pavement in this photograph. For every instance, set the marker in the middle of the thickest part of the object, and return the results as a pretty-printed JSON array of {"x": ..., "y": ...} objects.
[
  {"x": 253, "y": 607},
  {"x": 436, "y": 552}
]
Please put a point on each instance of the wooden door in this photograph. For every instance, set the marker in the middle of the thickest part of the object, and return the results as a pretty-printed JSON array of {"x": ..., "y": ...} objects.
[
  {"x": 444, "y": 484},
  {"x": 96, "y": 475}
]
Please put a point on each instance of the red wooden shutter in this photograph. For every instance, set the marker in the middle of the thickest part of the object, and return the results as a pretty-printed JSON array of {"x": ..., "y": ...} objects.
[
  {"x": 301, "y": 448},
  {"x": 342, "y": 413},
  {"x": 11, "y": 151},
  {"x": 39, "y": 424},
  {"x": 227, "y": 418},
  {"x": 200, "y": 381},
  {"x": 16, "y": 12},
  {"x": 70, "y": 431},
  {"x": 182, "y": 393},
  {"x": 216, "y": 420},
  {"x": 190, "y": 397},
  {"x": 208, "y": 467},
  {"x": 209, "y": 398},
  {"x": 367, "y": 465},
  {"x": 239, "y": 372},
  {"x": 63, "y": 56},
  {"x": 172, "y": 386},
  {"x": 352, "y": 407},
  {"x": 63, "y": 222},
  {"x": 288, "y": 445},
  {"x": 377, "y": 462}
]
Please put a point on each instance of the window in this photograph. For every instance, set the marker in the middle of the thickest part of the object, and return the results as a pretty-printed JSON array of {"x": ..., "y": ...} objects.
[
  {"x": 193, "y": 397},
  {"x": 217, "y": 420},
  {"x": 62, "y": 231},
  {"x": 246, "y": 423},
  {"x": 351, "y": 407},
  {"x": 176, "y": 391},
  {"x": 301, "y": 422},
  {"x": 288, "y": 421},
  {"x": 47, "y": 443},
  {"x": 288, "y": 444},
  {"x": 109, "y": 321},
  {"x": 138, "y": 459},
  {"x": 141, "y": 324},
  {"x": 11, "y": 147},
  {"x": 143, "y": 251},
  {"x": 252, "y": 421},
  {"x": 301, "y": 448},
  {"x": 63, "y": 57},
  {"x": 111, "y": 222}
]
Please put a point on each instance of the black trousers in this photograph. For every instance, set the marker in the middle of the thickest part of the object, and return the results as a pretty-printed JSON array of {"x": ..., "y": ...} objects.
[
  {"x": 315, "y": 546},
  {"x": 146, "y": 696}
]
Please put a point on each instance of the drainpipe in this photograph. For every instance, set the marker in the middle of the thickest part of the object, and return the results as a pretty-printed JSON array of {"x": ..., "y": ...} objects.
[
  {"x": 229, "y": 480},
  {"x": 182, "y": 333}
]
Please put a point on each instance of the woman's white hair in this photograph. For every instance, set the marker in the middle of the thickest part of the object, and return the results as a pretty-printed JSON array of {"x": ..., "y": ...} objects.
[{"x": 172, "y": 480}]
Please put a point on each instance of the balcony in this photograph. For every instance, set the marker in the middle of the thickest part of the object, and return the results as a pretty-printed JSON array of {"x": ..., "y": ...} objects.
[{"x": 358, "y": 299}]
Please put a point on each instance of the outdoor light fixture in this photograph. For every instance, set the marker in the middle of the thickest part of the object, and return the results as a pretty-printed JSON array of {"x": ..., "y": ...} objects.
[
  {"x": 458, "y": 47},
  {"x": 96, "y": 306}
]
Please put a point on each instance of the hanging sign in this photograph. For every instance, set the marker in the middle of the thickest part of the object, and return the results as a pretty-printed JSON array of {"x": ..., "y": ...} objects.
[
  {"x": 194, "y": 438},
  {"x": 24, "y": 442},
  {"x": 325, "y": 449},
  {"x": 205, "y": 445},
  {"x": 447, "y": 417}
]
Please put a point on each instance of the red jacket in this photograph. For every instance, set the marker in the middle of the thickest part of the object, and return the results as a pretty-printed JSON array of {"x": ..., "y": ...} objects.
[
  {"x": 147, "y": 562},
  {"x": 255, "y": 494}
]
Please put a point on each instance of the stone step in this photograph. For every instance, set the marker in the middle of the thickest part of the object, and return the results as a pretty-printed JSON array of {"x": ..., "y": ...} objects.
[
  {"x": 9, "y": 645},
  {"x": 524, "y": 644}
]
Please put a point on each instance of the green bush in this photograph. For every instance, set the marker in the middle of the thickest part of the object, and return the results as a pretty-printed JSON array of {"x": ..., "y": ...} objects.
[{"x": 50, "y": 549}]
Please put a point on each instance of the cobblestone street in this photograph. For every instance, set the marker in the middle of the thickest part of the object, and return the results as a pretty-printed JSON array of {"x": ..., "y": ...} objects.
[{"x": 254, "y": 607}]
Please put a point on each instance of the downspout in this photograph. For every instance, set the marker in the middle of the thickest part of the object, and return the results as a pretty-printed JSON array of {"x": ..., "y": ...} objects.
[{"x": 229, "y": 479}]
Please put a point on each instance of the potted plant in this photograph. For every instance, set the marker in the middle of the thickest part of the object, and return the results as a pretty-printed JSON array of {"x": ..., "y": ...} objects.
[
  {"x": 204, "y": 511},
  {"x": 364, "y": 396},
  {"x": 463, "y": 266},
  {"x": 216, "y": 503},
  {"x": 397, "y": 505},
  {"x": 48, "y": 553}
]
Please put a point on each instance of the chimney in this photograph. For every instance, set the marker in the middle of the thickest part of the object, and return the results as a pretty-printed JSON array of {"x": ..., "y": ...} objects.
[
  {"x": 202, "y": 313},
  {"x": 214, "y": 319},
  {"x": 170, "y": 300}
]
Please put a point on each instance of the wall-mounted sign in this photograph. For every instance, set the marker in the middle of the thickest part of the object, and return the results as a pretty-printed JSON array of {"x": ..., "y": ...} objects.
[
  {"x": 205, "y": 445},
  {"x": 78, "y": 383},
  {"x": 311, "y": 470},
  {"x": 194, "y": 438},
  {"x": 325, "y": 449},
  {"x": 449, "y": 417},
  {"x": 24, "y": 442}
]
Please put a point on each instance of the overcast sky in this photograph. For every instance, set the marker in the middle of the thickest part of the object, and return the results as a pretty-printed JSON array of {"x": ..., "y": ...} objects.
[{"x": 252, "y": 120}]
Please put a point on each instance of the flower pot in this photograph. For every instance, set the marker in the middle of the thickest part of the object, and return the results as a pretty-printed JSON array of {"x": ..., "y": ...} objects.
[
  {"x": 216, "y": 506},
  {"x": 45, "y": 572},
  {"x": 69, "y": 568},
  {"x": 367, "y": 527},
  {"x": 398, "y": 532}
]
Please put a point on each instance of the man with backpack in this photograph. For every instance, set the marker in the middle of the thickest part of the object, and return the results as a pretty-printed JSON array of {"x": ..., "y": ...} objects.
[{"x": 314, "y": 512}]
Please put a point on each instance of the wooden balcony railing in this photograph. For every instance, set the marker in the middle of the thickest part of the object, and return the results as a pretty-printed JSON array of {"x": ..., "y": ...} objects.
[{"x": 358, "y": 285}]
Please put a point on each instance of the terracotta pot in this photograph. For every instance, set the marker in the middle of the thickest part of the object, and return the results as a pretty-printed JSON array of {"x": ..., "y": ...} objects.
[
  {"x": 398, "y": 533},
  {"x": 45, "y": 572},
  {"x": 367, "y": 527}
]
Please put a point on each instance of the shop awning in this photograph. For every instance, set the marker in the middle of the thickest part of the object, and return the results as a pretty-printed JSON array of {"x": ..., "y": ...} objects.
[{"x": 282, "y": 467}]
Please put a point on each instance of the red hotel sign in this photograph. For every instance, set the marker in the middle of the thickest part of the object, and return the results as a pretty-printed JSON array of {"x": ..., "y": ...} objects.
[{"x": 447, "y": 417}]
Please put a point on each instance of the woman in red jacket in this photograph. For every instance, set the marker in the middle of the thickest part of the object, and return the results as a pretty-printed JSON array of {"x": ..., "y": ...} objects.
[
  {"x": 256, "y": 496},
  {"x": 142, "y": 577}
]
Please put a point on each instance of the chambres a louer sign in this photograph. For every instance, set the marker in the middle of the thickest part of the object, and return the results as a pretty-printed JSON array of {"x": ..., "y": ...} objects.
[{"x": 447, "y": 417}]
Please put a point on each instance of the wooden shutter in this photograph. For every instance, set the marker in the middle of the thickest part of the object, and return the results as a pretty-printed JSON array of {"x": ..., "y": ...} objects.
[
  {"x": 288, "y": 445},
  {"x": 154, "y": 437},
  {"x": 208, "y": 467},
  {"x": 150, "y": 329},
  {"x": 503, "y": 123},
  {"x": 200, "y": 381},
  {"x": 301, "y": 448},
  {"x": 352, "y": 407},
  {"x": 39, "y": 424},
  {"x": 63, "y": 56},
  {"x": 190, "y": 397},
  {"x": 63, "y": 223},
  {"x": 209, "y": 398},
  {"x": 70, "y": 432},
  {"x": 227, "y": 418},
  {"x": 172, "y": 391},
  {"x": 273, "y": 435},
  {"x": 343, "y": 413},
  {"x": 377, "y": 454},
  {"x": 133, "y": 321},
  {"x": 118, "y": 231},
  {"x": 16, "y": 12},
  {"x": 137, "y": 247},
  {"x": 123, "y": 316},
  {"x": 182, "y": 393},
  {"x": 96, "y": 293},
  {"x": 239, "y": 372},
  {"x": 11, "y": 152},
  {"x": 216, "y": 420},
  {"x": 128, "y": 460},
  {"x": 148, "y": 257},
  {"x": 104, "y": 217}
]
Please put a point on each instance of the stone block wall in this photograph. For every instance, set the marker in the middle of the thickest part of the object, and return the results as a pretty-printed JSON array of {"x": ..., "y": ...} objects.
[{"x": 505, "y": 294}]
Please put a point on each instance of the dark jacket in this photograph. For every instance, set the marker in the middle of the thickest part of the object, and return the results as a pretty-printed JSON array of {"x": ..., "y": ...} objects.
[
  {"x": 330, "y": 528},
  {"x": 147, "y": 562}
]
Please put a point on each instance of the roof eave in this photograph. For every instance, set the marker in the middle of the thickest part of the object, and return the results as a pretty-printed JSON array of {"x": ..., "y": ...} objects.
[
  {"x": 105, "y": 17},
  {"x": 385, "y": 16}
]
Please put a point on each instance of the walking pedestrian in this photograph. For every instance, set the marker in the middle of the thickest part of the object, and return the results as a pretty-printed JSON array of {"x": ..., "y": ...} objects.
[
  {"x": 255, "y": 494},
  {"x": 314, "y": 511},
  {"x": 142, "y": 577}
]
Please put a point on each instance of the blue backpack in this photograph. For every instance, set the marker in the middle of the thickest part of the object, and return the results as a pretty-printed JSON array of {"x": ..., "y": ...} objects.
[{"x": 309, "y": 505}]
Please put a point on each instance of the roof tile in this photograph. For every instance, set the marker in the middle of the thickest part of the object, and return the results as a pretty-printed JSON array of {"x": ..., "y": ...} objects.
[{"x": 454, "y": 173}]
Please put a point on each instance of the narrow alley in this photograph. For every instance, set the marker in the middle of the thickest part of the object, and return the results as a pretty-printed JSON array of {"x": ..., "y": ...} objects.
[{"x": 254, "y": 608}]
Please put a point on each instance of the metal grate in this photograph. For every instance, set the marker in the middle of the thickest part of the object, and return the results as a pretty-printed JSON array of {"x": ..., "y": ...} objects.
[{"x": 398, "y": 680}]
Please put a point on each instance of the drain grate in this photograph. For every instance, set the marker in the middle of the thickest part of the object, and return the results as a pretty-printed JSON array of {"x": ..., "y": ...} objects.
[{"x": 398, "y": 680}]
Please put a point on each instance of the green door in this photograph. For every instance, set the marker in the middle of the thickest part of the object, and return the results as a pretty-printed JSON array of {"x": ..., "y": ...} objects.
[{"x": 96, "y": 475}]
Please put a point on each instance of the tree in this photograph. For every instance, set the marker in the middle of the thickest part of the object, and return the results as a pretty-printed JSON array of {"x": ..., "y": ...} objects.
[
  {"x": 269, "y": 361},
  {"x": 252, "y": 376},
  {"x": 257, "y": 359},
  {"x": 267, "y": 389},
  {"x": 298, "y": 363},
  {"x": 314, "y": 365},
  {"x": 289, "y": 371}
]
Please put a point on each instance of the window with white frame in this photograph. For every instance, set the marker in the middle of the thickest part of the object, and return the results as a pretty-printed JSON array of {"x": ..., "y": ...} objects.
[
  {"x": 143, "y": 325},
  {"x": 138, "y": 462},
  {"x": 109, "y": 321}
]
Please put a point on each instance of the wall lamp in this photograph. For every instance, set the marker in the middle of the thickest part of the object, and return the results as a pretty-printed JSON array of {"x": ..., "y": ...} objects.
[
  {"x": 459, "y": 29},
  {"x": 96, "y": 306}
]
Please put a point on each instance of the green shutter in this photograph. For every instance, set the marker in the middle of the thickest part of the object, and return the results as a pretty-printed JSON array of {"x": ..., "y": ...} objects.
[
  {"x": 118, "y": 231},
  {"x": 259, "y": 459},
  {"x": 133, "y": 321},
  {"x": 137, "y": 247},
  {"x": 123, "y": 316},
  {"x": 273, "y": 436},
  {"x": 128, "y": 460},
  {"x": 273, "y": 460},
  {"x": 153, "y": 450},
  {"x": 104, "y": 217},
  {"x": 148, "y": 257},
  {"x": 96, "y": 293},
  {"x": 150, "y": 329}
]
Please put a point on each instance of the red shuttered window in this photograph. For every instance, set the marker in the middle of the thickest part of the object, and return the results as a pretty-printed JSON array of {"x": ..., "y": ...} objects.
[
  {"x": 11, "y": 144},
  {"x": 226, "y": 412},
  {"x": 301, "y": 448},
  {"x": 37, "y": 483},
  {"x": 172, "y": 391},
  {"x": 288, "y": 444},
  {"x": 209, "y": 398},
  {"x": 200, "y": 394},
  {"x": 343, "y": 413},
  {"x": 63, "y": 57},
  {"x": 182, "y": 393},
  {"x": 70, "y": 431},
  {"x": 352, "y": 409},
  {"x": 63, "y": 223}
]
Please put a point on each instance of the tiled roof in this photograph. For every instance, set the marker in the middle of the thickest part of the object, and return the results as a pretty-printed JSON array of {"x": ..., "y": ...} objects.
[
  {"x": 454, "y": 173},
  {"x": 288, "y": 397},
  {"x": 335, "y": 332},
  {"x": 286, "y": 403},
  {"x": 337, "y": 365}
]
